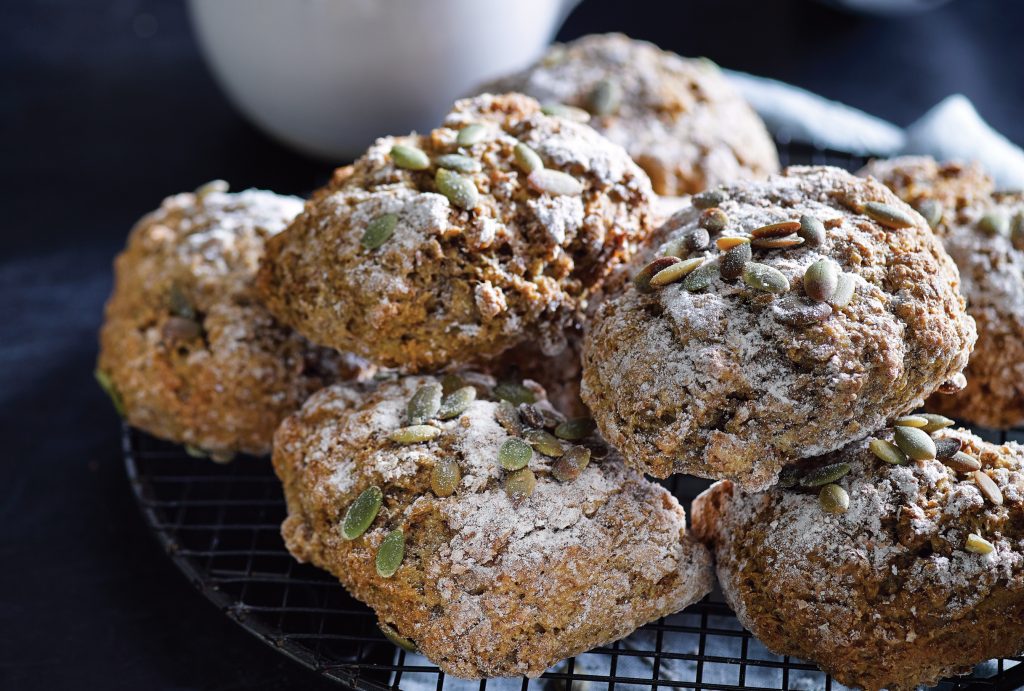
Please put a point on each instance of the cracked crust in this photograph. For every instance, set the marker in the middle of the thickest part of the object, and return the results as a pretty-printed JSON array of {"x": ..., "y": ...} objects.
[
  {"x": 192, "y": 355},
  {"x": 453, "y": 286},
  {"x": 715, "y": 384},
  {"x": 679, "y": 118},
  {"x": 884, "y": 595},
  {"x": 487, "y": 588}
]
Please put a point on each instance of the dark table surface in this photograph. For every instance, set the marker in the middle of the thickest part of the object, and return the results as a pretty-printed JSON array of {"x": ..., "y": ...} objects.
[{"x": 106, "y": 108}]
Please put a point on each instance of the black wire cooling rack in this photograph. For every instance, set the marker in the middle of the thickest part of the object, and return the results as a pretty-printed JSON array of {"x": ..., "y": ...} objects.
[{"x": 220, "y": 525}]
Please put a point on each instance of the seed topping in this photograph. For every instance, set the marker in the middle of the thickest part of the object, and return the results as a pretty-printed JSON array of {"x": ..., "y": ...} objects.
[
  {"x": 409, "y": 157},
  {"x": 888, "y": 216},
  {"x": 424, "y": 404},
  {"x": 765, "y": 278},
  {"x": 554, "y": 182},
  {"x": 390, "y": 553},
  {"x": 915, "y": 443},
  {"x": 834, "y": 499},
  {"x": 378, "y": 231},
  {"x": 362, "y": 512},
  {"x": 514, "y": 454},
  {"x": 414, "y": 434},
  {"x": 988, "y": 487}
]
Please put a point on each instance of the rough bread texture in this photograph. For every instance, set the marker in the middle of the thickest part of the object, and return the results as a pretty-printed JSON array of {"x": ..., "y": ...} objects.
[
  {"x": 992, "y": 280},
  {"x": 452, "y": 286},
  {"x": 731, "y": 382},
  {"x": 487, "y": 587},
  {"x": 678, "y": 118},
  {"x": 191, "y": 354},
  {"x": 884, "y": 595}
]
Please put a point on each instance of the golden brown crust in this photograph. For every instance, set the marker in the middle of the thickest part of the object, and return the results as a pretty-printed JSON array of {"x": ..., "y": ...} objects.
[
  {"x": 192, "y": 355},
  {"x": 453, "y": 286},
  {"x": 884, "y": 595},
  {"x": 487, "y": 587},
  {"x": 723, "y": 383}
]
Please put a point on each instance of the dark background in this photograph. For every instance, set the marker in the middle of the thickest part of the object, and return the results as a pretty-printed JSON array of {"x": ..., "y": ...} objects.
[{"x": 106, "y": 108}]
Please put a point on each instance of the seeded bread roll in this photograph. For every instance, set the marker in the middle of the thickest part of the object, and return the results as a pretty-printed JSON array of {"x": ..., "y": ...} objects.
[
  {"x": 984, "y": 233},
  {"x": 418, "y": 266},
  {"x": 833, "y": 309},
  {"x": 679, "y": 119},
  {"x": 186, "y": 350},
  {"x": 920, "y": 577},
  {"x": 490, "y": 556}
]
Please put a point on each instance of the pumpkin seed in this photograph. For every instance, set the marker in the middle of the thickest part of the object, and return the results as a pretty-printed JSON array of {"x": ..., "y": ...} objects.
[
  {"x": 526, "y": 158},
  {"x": 914, "y": 442},
  {"x": 887, "y": 451},
  {"x": 460, "y": 190},
  {"x": 642, "y": 280},
  {"x": 445, "y": 477},
  {"x": 554, "y": 182},
  {"x": 514, "y": 454},
  {"x": 812, "y": 230},
  {"x": 962, "y": 463},
  {"x": 798, "y": 311},
  {"x": 471, "y": 134},
  {"x": 713, "y": 220},
  {"x": 508, "y": 418},
  {"x": 362, "y": 512},
  {"x": 560, "y": 110},
  {"x": 552, "y": 418},
  {"x": 931, "y": 211},
  {"x": 675, "y": 272},
  {"x": 571, "y": 464},
  {"x": 514, "y": 393},
  {"x": 947, "y": 448},
  {"x": 846, "y": 286},
  {"x": 776, "y": 230},
  {"x": 727, "y": 243},
  {"x": 700, "y": 278},
  {"x": 994, "y": 223},
  {"x": 821, "y": 280},
  {"x": 605, "y": 97},
  {"x": 544, "y": 442},
  {"x": 424, "y": 404},
  {"x": 451, "y": 382},
  {"x": 765, "y": 278},
  {"x": 409, "y": 157},
  {"x": 708, "y": 199},
  {"x": 378, "y": 231},
  {"x": 1017, "y": 232},
  {"x": 209, "y": 188},
  {"x": 696, "y": 240},
  {"x": 988, "y": 487},
  {"x": 733, "y": 261},
  {"x": 888, "y": 216},
  {"x": 824, "y": 475},
  {"x": 531, "y": 415},
  {"x": 777, "y": 243},
  {"x": 107, "y": 384},
  {"x": 575, "y": 429},
  {"x": 979, "y": 545},
  {"x": 390, "y": 553},
  {"x": 834, "y": 499},
  {"x": 414, "y": 434},
  {"x": 918, "y": 421},
  {"x": 181, "y": 330},
  {"x": 789, "y": 477},
  {"x": 392, "y": 635},
  {"x": 935, "y": 422},
  {"x": 195, "y": 452},
  {"x": 458, "y": 162},
  {"x": 456, "y": 403},
  {"x": 520, "y": 485},
  {"x": 179, "y": 303}
]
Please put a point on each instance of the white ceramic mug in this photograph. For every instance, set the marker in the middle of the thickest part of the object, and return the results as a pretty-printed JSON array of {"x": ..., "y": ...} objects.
[{"x": 329, "y": 76}]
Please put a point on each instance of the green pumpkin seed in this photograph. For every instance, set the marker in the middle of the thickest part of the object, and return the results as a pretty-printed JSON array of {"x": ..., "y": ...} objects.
[
  {"x": 179, "y": 303},
  {"x": 107, "y": 384},
  {"x": 571, "y": 464},
  {"x": 554, "y": 182},
  {"x": 642, "y": 280},
  {"x": 508, "y": 417},
  {"x": 392, "y": 635},
  {"x": 414, "y": 434},
  {"x": 727, "y": 243},
  {"x": 701, "y": 278},
  {"x": 846, "y": 286},
  {"x": 713, "y": 220},
  {"x": 1017, "y": 232},
  {"x": 514, "y": 454},
  {"x": 812, "y": 231},
  {"x": 765, "y": 278},
  {"x": 887, "y": 451},
  {"x": 526, "y": 158},
  {"x": 918, "y": 421},
  {"x": 979, "y": 545},
  {"x": 195, "y": 452},
  {"x": 575, "y": 429},
  {"x": 605, "y": 97},
  {"x": 962, "y": 463},
  {"x": 777, "y": 243},
  {"x": 675, "y": 272},
  {"x": 424, "y": 404},
  {"x": 696, "y": 240},
  {"x": 914, "y": 442},
  {"x": 821, "y": 280},
  {"x": 947, "y": 448},
  {"x": 824, "y": 475},
  {"x": 390, "y": 553},
  {"x": 409, "y": 157},
  {"x": 206, "y": 189},
  {"x": 708, "y": 199},
  {"x": 445, "y": 477},
  {"x": 776, "y": 230},
  {"x": 471, "y": 134},
  {"x": 458, "y": 162},
  {"x": 935, "y": 422},
  {"x": 888, "y": 216},
  {"x": 544, "y": 442},
  {"x": 451, "y": 383},
  {"x": 378, "y": 231},
  {"x": 931, "y": 211},
  {"x": 789, "y": 477},
  {"x": 460, "y": 190},
  {"x": 734, "y": 260},
  {"x": 834, "y": 499},
  {"x": 994, "y": 223},
  {"x": 520, "y": 485},
  {"x": 988, "y": 487},
  {"x": 456, "y": 403},
  {"x": 362, "y": 512},
  {"x": 514, "y": 393},
  {"x": 560, "y": 110},
  {"x": 795, "y": 310}
]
